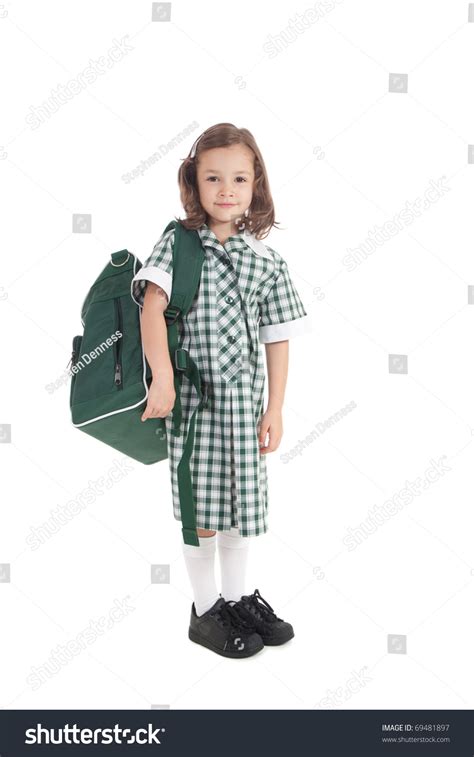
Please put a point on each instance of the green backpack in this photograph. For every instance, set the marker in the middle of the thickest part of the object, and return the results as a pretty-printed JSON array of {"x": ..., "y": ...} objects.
[{"x": 111, "y": 375}]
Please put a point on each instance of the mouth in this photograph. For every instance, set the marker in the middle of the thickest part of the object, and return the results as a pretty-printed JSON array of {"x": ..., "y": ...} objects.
[{"x": 226, "y": 204}]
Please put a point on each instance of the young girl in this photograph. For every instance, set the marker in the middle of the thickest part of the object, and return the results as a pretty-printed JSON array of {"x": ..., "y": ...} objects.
[{"x": 245, "y": 297}]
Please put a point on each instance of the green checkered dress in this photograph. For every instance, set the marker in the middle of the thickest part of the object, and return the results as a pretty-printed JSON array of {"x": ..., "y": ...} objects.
[{"x": 245, "y": 298}]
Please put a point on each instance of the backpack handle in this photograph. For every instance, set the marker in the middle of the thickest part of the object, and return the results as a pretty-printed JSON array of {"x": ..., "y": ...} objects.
[{"x": 115, "y": 257}]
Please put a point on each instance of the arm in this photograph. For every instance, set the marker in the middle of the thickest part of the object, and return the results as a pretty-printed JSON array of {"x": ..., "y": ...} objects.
[
  {"x": 277, "y": 368},
  {"x": 161, "y": 396},
  {"x": 282, "y": 317}
]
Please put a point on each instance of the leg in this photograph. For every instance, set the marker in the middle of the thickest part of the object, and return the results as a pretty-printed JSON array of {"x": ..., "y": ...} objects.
[
  {"x": 233, "y": 553},
  {"x": 204, "y": 532},
  {"x": 200, "y": 563}
]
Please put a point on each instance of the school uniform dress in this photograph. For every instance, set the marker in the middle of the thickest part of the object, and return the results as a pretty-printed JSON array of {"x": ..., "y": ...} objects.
[{"x": 245, "y": 298}]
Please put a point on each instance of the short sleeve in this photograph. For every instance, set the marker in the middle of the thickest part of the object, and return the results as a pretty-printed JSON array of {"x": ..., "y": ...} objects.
[
  {"x": 158, "y": 268},
  {"x": 282, "y": 313}
]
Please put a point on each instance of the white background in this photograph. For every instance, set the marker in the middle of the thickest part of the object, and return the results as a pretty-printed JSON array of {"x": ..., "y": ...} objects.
[{"x": 344, "y": 155}]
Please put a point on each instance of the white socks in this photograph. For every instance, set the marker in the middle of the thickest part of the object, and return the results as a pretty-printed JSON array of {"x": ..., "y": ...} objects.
[
  {"x": 200, "y": 565},
  {"x": 200, "y": 562},
  {"x": 233, "y": 553}
]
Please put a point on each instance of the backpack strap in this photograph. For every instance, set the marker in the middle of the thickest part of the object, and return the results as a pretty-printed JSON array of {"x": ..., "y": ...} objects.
[{"x": 188, "y": 257}]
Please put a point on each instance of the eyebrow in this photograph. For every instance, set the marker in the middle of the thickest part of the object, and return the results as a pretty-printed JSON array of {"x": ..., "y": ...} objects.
[{"x": 214, "y": 170}]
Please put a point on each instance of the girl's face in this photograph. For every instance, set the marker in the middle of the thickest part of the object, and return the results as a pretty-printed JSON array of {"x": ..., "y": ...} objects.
[{"x": 225, "y": 178}]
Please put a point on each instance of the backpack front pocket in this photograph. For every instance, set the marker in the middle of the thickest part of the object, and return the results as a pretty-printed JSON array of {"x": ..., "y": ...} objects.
[{"x": 100, "y": 362}]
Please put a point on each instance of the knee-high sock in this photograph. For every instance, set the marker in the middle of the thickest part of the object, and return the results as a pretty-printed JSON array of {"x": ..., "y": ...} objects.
[
  {"x": 200, "y": 564},
  {"x": 233, "y": 555}
]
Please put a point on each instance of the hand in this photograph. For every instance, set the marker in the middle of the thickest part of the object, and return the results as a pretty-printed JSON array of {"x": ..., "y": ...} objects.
[
  {"x": 272, "y": 424},
  {"x": 161, "y": 397}
]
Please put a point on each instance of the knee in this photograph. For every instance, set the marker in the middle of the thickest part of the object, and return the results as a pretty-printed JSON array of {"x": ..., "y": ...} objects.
[
  {"x": 232, "y": 539},
  {"x": 205, "y": 532}
]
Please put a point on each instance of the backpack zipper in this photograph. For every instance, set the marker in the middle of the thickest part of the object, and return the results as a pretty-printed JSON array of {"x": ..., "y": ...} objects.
[
  {"x": 118, "y": 344},
  {"x": 74, "y": 354}
]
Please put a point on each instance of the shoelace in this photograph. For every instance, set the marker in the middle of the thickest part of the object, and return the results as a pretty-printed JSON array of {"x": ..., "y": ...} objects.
[
  {"x": 263, "y": 607},
  {"x": 231, "y": 617}
]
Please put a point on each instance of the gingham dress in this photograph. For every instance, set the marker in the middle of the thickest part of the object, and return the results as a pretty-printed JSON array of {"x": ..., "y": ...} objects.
[{"x": 245, "y": 297}]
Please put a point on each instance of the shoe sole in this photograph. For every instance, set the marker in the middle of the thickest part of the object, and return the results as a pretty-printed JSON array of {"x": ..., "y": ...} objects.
[{"x": 225, "y": 653}]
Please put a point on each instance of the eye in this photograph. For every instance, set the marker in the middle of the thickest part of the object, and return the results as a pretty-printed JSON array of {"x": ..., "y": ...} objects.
[{"x": 209, "y": 178}]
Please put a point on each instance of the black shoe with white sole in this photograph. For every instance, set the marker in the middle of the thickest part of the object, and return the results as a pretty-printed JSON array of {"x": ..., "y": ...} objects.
[{"x": 223, "y": 630}]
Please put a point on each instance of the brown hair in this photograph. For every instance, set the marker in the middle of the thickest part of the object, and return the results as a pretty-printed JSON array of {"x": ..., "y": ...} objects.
[{"x": 261, "y": 213}]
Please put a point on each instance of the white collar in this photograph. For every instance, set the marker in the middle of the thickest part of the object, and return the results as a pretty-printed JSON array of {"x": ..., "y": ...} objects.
[{"x": 256, "y": 245}]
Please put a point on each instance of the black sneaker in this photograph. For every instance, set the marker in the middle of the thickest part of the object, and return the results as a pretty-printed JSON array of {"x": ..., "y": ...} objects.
[
  {"x": 223, "y": 630},
  {"x": 255, "y": 610}
]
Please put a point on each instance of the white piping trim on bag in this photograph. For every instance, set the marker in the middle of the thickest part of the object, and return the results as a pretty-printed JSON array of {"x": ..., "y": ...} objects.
[{"x": 130, "y": 407}]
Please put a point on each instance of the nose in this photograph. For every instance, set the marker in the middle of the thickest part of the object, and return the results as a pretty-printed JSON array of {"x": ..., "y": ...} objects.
[{"x": 225, "y": 190}]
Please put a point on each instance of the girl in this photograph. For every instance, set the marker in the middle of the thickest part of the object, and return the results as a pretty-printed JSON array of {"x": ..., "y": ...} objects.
[{"x": 245, "y": 296}]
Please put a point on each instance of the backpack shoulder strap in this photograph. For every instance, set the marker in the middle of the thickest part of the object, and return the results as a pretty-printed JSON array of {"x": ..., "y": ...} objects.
[{"x": 188, "y": 257}]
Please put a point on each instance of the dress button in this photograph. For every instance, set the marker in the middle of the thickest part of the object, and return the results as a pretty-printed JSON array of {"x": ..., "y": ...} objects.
[
  {"x": 231, "y": 339},
  {"x": 229, "y": 299}
]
